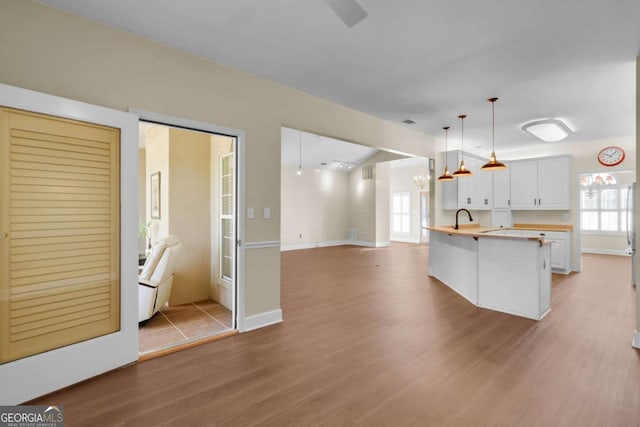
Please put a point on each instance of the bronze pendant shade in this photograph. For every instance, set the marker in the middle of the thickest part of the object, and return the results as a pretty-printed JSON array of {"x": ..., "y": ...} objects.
[
  {"x": 493, "y": 164},
  {"x": 446, "y": 175},
  {"x": 462, "y": 170}
]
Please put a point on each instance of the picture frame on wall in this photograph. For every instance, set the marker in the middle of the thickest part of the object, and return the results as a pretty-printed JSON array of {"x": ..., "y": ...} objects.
[{"x": 155, "y": 195}]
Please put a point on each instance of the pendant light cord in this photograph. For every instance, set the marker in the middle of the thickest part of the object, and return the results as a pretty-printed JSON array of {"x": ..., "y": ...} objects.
[
  {"x": 493, "y": 126},
  {"x": 300, "y": 152},
  {"x": 462, "y": 117},
  {"x": 493, "y": 123},
  {"x": 446, "y": 144}
]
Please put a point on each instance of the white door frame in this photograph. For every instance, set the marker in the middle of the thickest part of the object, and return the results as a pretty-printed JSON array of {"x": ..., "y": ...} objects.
[
  {"x": 240, "y": 191},
  {"x": 33, "y": 376}
]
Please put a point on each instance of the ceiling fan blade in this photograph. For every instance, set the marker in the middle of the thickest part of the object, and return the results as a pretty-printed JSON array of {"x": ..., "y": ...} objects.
[{"x": 348, "y": 10}]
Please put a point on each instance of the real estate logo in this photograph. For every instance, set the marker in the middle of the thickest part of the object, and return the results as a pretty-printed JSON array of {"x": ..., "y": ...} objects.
[{"x": 31, "y": 416}]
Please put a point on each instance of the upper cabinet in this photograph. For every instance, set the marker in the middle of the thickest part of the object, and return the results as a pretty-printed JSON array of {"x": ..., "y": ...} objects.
[
  {"x": 502, "y": 188},
  {"x": 541, "y": 184},
  {"x": 533, "y": 184},
  {"x": 471, "y": 192}
]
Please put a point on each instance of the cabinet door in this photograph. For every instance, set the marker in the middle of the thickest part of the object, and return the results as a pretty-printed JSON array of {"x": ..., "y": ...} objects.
[
  {"x": 554, "y": 183},
  {"x": 449, "y": 188},
  {"x": 484, "y": 190},
  {"x": 502, "y": 189},
  {"x": 558, "y": 253},
  {"x": 524, "y": 184},
  {"x": 468, "y": 185}
]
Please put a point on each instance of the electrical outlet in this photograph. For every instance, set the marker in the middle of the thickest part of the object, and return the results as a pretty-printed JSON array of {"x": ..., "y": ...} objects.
[{"x": 301, "y": 235}]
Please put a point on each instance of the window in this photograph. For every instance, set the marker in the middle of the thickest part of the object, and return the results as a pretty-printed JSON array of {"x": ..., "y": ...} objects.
[
  {"x": 400, "y": 212},
  {"x": 227, "y": 217},
  {"x": 603, "y": 204}
]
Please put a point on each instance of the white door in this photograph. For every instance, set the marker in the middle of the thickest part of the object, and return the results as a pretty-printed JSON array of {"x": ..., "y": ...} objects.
[
  {"x": 524, "y": 184},
  {"x": 64, "y": 364}
]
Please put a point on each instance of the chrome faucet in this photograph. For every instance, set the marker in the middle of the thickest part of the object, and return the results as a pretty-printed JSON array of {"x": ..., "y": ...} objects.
[{"x": 458, "y": 212}]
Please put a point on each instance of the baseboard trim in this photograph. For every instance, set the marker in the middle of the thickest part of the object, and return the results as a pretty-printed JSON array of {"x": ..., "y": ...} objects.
[
  {"x": 262, "y": 245},
  {"x": 620, "y": 252},
  {"x": 313, "y": 245},
  {"x": 635, "y": 342},
  {"x": 405, "y": 240},
  {"x": 368, "y": 244},
  {"x": 261, "y": 320}
]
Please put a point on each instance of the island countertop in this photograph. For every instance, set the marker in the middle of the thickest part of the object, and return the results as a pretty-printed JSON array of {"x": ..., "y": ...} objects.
[{"x": 475, "y": 230}]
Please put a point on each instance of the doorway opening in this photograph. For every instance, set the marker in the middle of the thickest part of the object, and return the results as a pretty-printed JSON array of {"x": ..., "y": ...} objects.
[
  {"x": 187, "y": 212},
  {"x": 607, "y": 204},
  {"x": 424, "y": 216}
]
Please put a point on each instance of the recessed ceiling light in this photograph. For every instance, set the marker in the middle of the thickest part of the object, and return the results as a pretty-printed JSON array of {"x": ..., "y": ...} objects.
[
  {"x": 323, "y": 164},
  {"x": 548, "y": 130},
  {"x": 409, "y": 122}
]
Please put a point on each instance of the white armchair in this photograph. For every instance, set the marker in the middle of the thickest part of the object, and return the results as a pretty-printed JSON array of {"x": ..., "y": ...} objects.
[{"x": 156, "y": 278}]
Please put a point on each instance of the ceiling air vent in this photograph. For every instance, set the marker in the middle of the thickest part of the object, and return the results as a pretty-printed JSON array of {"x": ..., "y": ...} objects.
[
  {"x": 409, "y": 122},
  {"x": 367, "y": 172}
]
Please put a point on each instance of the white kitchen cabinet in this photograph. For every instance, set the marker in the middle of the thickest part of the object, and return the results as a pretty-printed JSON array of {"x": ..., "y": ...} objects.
[
  {"x": 560, "y": 248},
  {"x": 471, "y": 192},
  {"x": 524, "y": 184},
  {"x": 484, "y": 192},
  {"x": 502, "y": 188},
  {"x": 541, "y": 184},
  {"x": 554, "y": 183}
]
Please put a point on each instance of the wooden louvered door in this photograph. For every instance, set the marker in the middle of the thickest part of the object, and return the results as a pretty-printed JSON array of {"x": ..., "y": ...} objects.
[{"x": 60, "y": 258}]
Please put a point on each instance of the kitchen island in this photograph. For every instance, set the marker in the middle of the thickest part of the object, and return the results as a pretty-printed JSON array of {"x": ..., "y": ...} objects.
[{"x": 506, "y": 273}]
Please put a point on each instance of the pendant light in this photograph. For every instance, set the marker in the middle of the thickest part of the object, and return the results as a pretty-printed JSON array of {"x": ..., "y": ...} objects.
[
  {"x": 462, "y": 170},
  {"x": 300, "y": 154},
  {"x": 446, "y": 175},
  {"x": 493, "y": 164}
]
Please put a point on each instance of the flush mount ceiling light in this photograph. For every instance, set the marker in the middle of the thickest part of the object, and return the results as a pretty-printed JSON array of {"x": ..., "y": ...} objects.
[
  {"x": 493, "y": 164},
  {"x": 462, "y": 170},
  {"x": 446, "y": 175},
  {"x": 548, "y": 130}
]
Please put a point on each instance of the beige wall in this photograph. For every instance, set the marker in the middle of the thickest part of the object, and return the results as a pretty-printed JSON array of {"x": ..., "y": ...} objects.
[
  {"x": 315, "y": 207},
  {"x": 142, "y": 198},
  {"x": 157, "y": 150},
  {"x": 90, "y": 62},
  {"x": 383, "y": 227},
  {"x": 189, "y": 213},
  {"x": 362, "y": 206}
]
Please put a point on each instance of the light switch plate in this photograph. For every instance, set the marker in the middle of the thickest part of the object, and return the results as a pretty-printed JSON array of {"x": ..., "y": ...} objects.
[
  {"x": 266, "y": 213},
  {"x": 251, "y": 213}
]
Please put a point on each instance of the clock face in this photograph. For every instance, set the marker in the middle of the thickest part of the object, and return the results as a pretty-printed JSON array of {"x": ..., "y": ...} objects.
[{"x": 611, "y": 156}]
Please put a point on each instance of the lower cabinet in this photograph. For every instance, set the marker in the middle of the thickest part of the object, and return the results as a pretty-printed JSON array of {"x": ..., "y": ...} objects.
[{"x": 560, "y": 248}]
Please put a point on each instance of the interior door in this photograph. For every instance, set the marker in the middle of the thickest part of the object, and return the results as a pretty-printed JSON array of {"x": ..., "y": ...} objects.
[{"x": 68, "y": 242}]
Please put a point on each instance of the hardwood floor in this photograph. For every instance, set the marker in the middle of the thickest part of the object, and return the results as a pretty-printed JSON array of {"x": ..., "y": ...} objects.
[{"x": 369, "y": 339}]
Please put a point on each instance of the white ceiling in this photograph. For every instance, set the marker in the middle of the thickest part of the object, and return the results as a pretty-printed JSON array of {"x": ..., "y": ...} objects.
[
  {"x": 427, "y": 60},
  {"x": 313, "y": 150}
]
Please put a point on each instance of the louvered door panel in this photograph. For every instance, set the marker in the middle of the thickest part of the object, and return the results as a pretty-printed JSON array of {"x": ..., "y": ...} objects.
[{"x": 60, "y": 258}]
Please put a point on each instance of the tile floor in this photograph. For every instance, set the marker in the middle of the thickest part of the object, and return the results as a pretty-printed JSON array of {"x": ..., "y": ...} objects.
[{"x": 180, "y": 324}]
